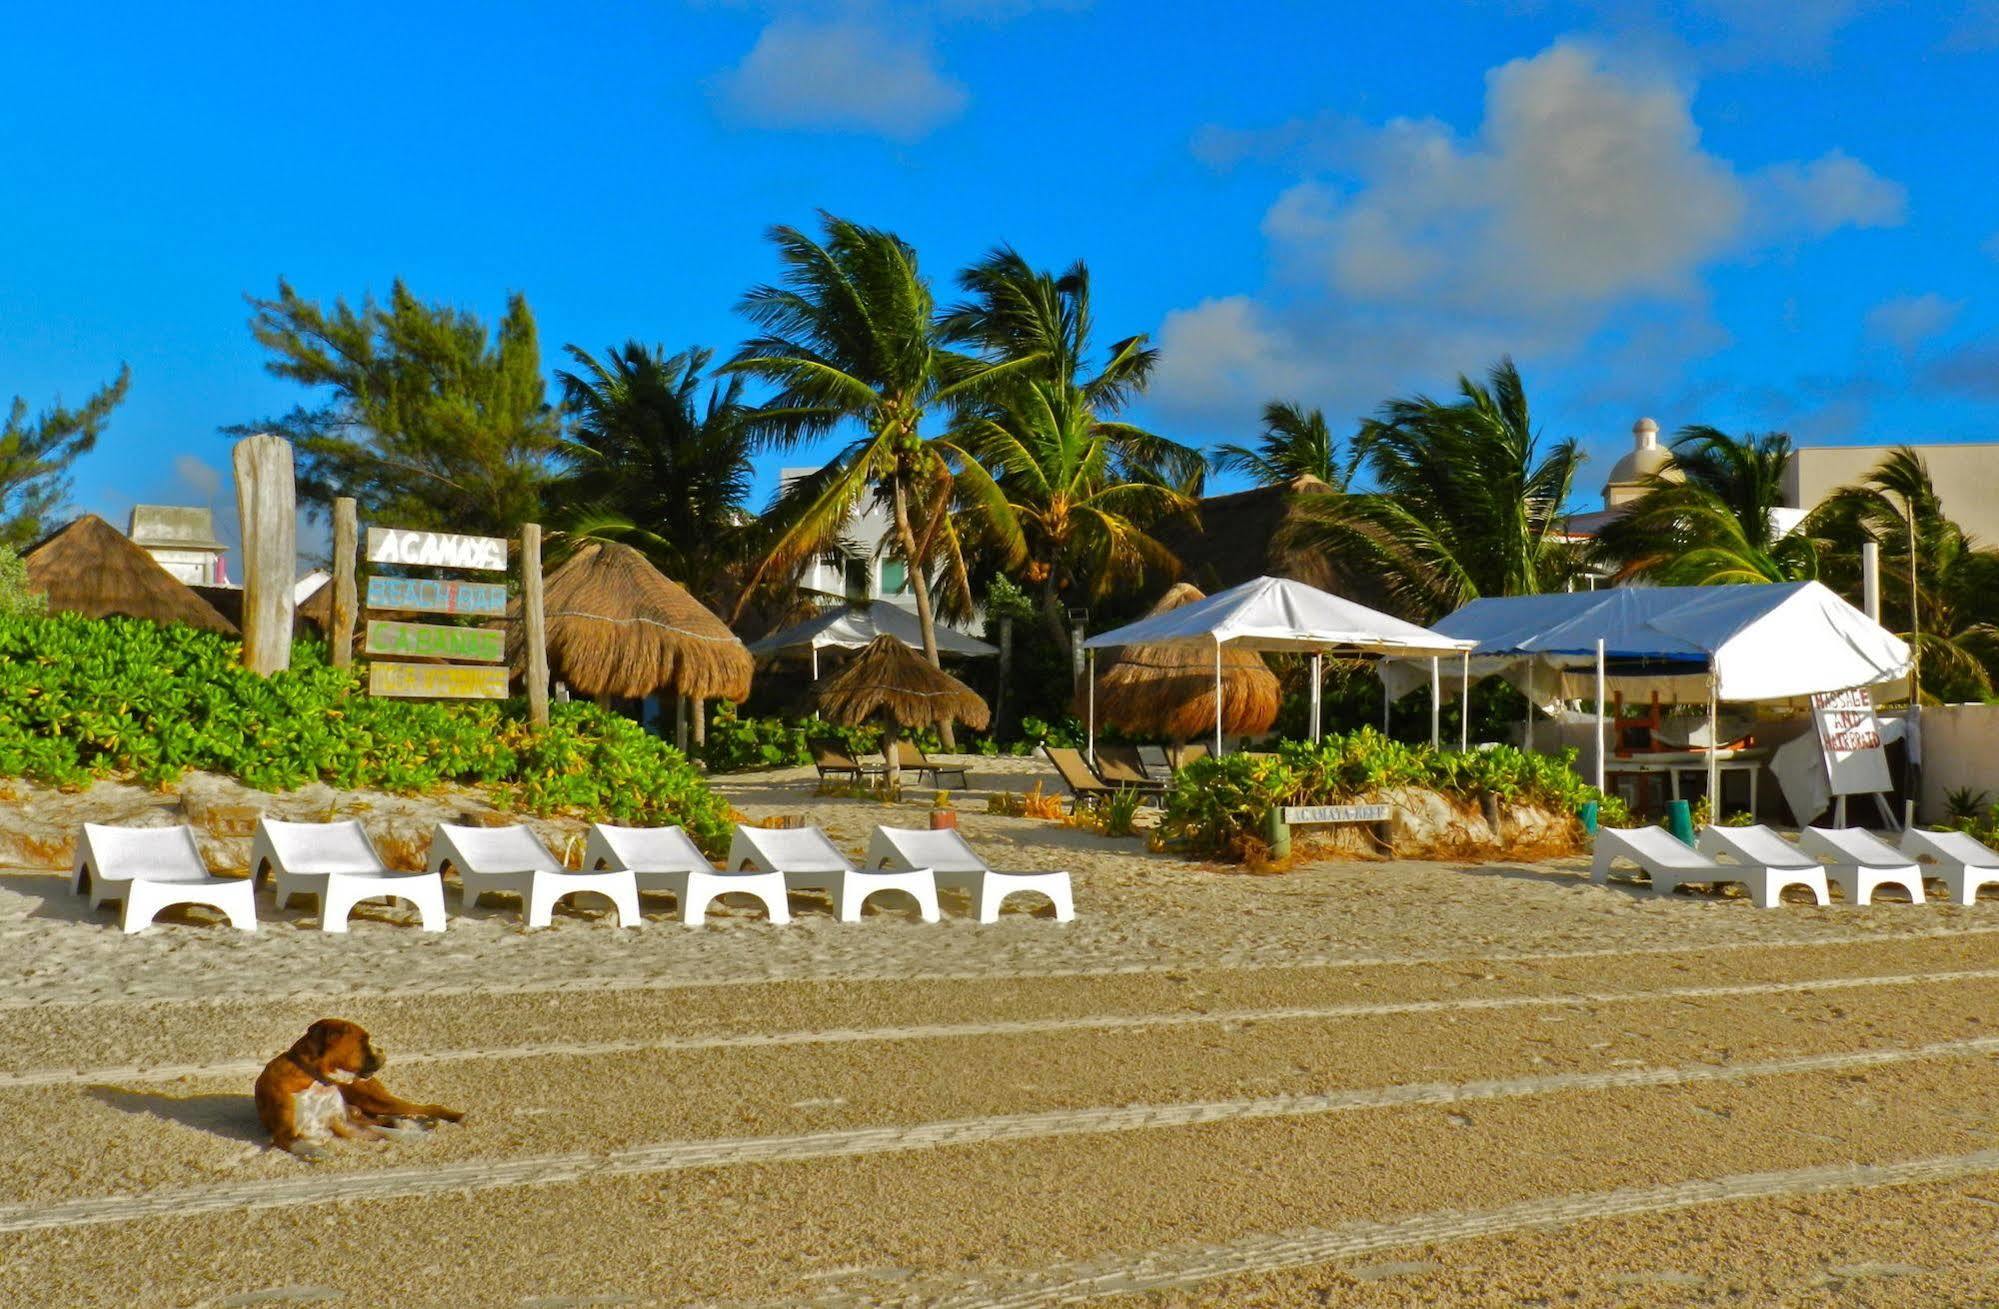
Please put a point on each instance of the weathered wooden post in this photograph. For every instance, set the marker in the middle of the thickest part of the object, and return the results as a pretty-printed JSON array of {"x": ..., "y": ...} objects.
[
  {"x": 267, "y": 510},
  {"x": 345, "y": 530},
  {"x": 700, "y": 721},
  {"x": 536, "y": 621}
]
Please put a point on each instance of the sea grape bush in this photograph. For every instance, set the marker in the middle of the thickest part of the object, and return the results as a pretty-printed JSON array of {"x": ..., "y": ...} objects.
[
  {"x": 85, "y": 698},
  {"x": 1219, "y": 806}
]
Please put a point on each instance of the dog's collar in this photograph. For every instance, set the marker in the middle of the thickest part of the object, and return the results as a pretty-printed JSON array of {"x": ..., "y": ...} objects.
[{"x": 312, "y": 1072}]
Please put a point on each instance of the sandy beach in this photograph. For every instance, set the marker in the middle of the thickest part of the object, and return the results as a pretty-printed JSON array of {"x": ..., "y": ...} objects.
[{"x": 1354, "y": 1082}]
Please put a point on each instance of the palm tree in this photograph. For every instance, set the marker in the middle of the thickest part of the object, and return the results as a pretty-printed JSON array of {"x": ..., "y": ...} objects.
[
  {"x": 1955, "y": 588},
  {"x": 1296, "y": 443},
  {"x": 648, "y": 459},
  {"x": 1717, "y": 521},
  {"x": 1466, "y": 501}
]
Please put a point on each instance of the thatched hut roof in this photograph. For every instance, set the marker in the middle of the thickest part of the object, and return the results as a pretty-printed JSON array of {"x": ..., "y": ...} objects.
[
  {"x": 1231, "y": 539},
  {"x": 889, "y": 678},
  {"x": 91, "y": 568},
  {"x": 617, "y": 626},
  {"x": 1169, "y": 690}
]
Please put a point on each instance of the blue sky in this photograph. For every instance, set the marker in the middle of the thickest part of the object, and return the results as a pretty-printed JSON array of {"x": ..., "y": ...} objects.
[{"x": 1739, "y": 212}]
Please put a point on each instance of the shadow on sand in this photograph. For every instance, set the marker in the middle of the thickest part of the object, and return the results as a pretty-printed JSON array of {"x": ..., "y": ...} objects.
[{"x": 230, "y": 1117}]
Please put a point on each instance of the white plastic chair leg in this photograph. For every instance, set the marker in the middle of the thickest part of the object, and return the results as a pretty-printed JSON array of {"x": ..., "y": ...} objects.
[
  {"x": 704, "y": 888},
  {"x": 854, "y": 889},
  {"x": 1963, "y": 883}
]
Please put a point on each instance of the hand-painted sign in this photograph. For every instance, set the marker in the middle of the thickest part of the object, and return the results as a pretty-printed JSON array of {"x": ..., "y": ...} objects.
[
  {"x": 481, "y": 644},
  {"x": 1304, "y": 815},
  {"x": 437, "y": 681},
  {"x": 435, "y": 595},
  {"x": 391, "y": 545},
  {"x": 1850, "y": 739}
]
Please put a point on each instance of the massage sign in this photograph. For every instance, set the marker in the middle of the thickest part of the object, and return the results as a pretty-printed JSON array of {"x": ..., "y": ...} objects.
[{"x": 462, "y": 662}]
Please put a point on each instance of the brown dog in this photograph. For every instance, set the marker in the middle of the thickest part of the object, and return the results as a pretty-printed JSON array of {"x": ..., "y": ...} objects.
[{"x": 324, "y": 1085}]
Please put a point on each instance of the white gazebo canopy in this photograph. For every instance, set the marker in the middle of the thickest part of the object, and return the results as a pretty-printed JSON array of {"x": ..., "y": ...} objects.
[
  {"x": 1277, "y": 613},
  {"x": 852, "y": 627}
]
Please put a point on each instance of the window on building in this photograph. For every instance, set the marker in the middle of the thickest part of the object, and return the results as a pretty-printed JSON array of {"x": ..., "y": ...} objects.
[{"x": 895, "y": 576}]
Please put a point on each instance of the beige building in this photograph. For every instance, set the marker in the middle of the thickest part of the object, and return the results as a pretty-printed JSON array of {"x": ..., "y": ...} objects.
[
  {"x": 182, "y": 539},
  {"x": 1966, "y": 478}
]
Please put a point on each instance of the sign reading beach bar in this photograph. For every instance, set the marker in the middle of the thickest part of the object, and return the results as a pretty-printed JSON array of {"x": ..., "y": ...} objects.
[
  {"x": 438, "y": 595},
  {"x": 430, "y": 641},
  {"x": 437, "y": 681},
  {"x": 393, "y": 545}
]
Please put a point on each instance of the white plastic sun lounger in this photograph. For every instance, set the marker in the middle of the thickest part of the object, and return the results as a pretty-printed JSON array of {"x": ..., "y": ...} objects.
[
  {"x": 1863, "y": 863},
  {"x": 1765, "y": 863},
  {"x": 666, "y": 859},
  {"x": 958, "y": 868},
  {"x": 337, "y": 863},
  {"x": 1660, "y": 855},
  {"x": 809, "y": 861},
  {"x": 149, "y": 868},
  {"x": 513, "y": 861},
  {"x": 1963, "y": 863}
]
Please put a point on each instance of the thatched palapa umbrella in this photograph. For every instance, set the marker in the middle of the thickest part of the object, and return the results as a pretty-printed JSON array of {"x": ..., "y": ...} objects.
[
  {"x": 890, "y": 681},
  {"x": 617, "y": 626},
  {"x": 1169, "y": 690},
  {"x": 91, "y": 568}
]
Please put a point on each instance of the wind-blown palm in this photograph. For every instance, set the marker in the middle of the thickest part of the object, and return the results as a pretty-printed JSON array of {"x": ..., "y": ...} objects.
[
  {"x": 1716, "y": 526},
  {"x": 1296, "y": 443},
  {"x": 1466, "y": 501},
  {"x": 649, "y": 460}
]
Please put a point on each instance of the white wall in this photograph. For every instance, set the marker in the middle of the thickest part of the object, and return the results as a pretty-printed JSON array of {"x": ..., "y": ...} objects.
[{"x": 1960, "y": 749}]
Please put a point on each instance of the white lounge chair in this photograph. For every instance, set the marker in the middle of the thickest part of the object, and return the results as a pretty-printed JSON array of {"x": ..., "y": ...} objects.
[
  {"x": 666, "y": 859},
  {"x": 1764, "y": 862},
  {"x": 958, "y": 868},
  {"x": 1863, "y": 863},
  {"x": 149, "y": 868},
  {"x": 513, "y": 861},
  {"x": 1660, "y": 855},
  {"x": 337, "y": 864},
  {"x": 809, "y": 861},
  {"x": 1963, "y": 862}
]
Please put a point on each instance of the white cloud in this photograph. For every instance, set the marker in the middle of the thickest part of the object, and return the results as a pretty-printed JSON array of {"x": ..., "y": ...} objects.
[
  {"x": 1907, "y": 321},
  {"x": 849, "y": 74},
  {"x": 1833, "y": 191}
]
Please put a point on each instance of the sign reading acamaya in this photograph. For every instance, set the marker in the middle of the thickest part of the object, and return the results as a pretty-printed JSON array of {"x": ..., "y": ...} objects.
[{"x": 391, "y": 545}]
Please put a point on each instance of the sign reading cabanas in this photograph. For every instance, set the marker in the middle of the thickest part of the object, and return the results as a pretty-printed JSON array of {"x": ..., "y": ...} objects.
[
  {"x": 391, "y": 545},
  {"x": 431, "y": 641}
]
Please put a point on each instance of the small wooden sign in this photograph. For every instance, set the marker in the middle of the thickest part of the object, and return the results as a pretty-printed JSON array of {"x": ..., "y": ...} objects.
[
  {"x": 429, "y": 640},
  {"x": 1303, "y": 815},
  {"x": 437, "y": 681},
  {"x": 393, "y": 545},
  {"x": 438, "y": 595}
]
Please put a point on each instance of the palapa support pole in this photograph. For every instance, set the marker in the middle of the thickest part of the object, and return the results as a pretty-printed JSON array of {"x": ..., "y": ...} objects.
[
  {"x": 267, "y": 510},
  {"x": 680, "y": 722},
  {"x": 892, "y": 760},
  {"x": 346, "y": 529},
  {"x": 1318, "y": 668},
  {"x": 1464, "y": 706},
  {"x": 1436, "y": 704},
  {"x": 1218, "y": 698},
  {"x": 534, "y": 619},
  {"x": 1090, "y": 678},
  {"x": 1601, "y": 749}
]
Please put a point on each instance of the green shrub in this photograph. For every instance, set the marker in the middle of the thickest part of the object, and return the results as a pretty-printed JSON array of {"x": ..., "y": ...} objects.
[
  {"x": 87, "y": 698},
  {"x": 735, "y": 743}
]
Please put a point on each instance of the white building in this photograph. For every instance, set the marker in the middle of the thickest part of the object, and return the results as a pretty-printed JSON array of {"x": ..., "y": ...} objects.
[
  {"x": 182, "y": 539},
  {"x": 862, "y": 564}
]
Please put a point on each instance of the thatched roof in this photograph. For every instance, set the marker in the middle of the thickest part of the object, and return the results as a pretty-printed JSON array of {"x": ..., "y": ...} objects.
[
  {"x": 1230, "y": 539},
  {"x": 617, "y": 626},
  {"x": 91, "y": 568},
  {"x": 1169, "y": 690},
  {"x": 889, "y": 678}
]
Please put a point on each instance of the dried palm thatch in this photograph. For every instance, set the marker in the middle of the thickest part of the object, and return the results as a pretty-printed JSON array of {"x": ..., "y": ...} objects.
[
  {"x": 1169, "y": 690},
  {"x": 890, "y": 680},
  {"x": 617, "y": 626},
  {"x": 91, "y": 568}
]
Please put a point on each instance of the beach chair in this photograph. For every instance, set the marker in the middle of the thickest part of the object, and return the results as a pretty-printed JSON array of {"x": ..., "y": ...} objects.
[
  {"x": 832, "y": 761},
  {"x": 810, "y": 862},
  {"x": 1157, "y": 766},
  {"x": 1085, "y": 787},
  {"x": 337, "y": 864},
  {"x": 910, "y": 758},
  {"x": 1187, "y": 754},
  {"x": 513, "y": 861},
  {"x": 1120, "y": 766},
  {"x": 1863, "y": 863},
  {"x": 1663, "y": 858},
  {"x": 666, "y": 859},
  {"x": 149, "y": 868},
  {"x": 1963, "y": 862},
  {"x": 957, "y": 868},
  {"x": 1766, "y": 863}
]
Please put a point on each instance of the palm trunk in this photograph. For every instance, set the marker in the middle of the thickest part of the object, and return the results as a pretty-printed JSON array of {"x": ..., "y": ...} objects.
[{"x": 920, "y": 584}]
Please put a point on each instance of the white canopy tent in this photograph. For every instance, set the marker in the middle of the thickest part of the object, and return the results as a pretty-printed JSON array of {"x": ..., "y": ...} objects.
[
  {"x": 852, "y": 627},
  {"x": 1776, "y": 642},
  {"x": 1276, "y": 613}
]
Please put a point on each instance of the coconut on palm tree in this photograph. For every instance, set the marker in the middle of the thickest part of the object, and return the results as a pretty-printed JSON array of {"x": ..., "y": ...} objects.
[
  {"x": 1295, "y": 443},
  {"x": 1715, "y": 520}
]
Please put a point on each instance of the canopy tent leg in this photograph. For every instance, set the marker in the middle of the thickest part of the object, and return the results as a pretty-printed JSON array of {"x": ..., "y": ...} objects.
[
  {"x": 1218, "y": 699},
  {"x": 815, "y": 663},
  {"x": 1601, "y": 748},
  {"x": 1318, "y": 668},
  {"x": 1713, "y": 747},
  {"x": 1090, "y": 673},
  {"x": 1387, "y": 704},
  {"x": 1436, "y": 704},
  {"x": 1528, "y": 730},
  {"x": 1464, "y": 706}
]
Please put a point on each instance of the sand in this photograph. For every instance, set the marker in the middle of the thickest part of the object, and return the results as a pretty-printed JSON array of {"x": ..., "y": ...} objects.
[{"x": 1356, "y": 1082}]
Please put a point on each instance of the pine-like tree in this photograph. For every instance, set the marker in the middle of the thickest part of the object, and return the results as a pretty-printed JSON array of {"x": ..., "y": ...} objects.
[{"x": 36, "y": 454}]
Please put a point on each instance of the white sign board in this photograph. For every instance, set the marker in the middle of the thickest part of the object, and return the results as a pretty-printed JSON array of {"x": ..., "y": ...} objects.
[
  {"x": 1302, "y": 815},
  {"x": 1850, "y": 738},
  {"x": 392, "y": 545}
]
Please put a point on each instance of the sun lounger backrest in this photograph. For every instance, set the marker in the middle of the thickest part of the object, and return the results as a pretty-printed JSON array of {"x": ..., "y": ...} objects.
[
  {"x": 831, "y": 756},
  {"x": 341, "y": 847},
  {"x": 648, "y": 849},
  {"x": 1756, "y": 845},
  {"x": 1152, "y": 756},
  {"x": 1074, "y": 769},
  {"x": 1655, "y": 845},
  {"x": 1119, "y": 763},
  {"x": 500, "y": 849},
  {"x": 913, "y": 847},
  {"x": 787, "y": 849},
  {"x": 1187, "y": 754},
  {"x": 1852, "y": 845},
  {"x": 154, "y": 854},
  {"x": 1962, "y": 847},
  {"x": 908, "y": 754}
]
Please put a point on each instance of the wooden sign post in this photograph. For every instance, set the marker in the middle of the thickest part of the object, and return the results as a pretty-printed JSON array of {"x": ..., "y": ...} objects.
[
  {"x": 267, "y": 511},
  {"x": 536, "y": 621},
  {"x": 341, "y": 615}
]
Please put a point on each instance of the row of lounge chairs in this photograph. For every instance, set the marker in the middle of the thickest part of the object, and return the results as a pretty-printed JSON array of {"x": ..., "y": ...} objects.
[
  {"x": 1765, "y": 863},
  {"x": 147, "y": 869},
  {"x": 1145, "y": 769},
  {"x": 836, "y": 764}
]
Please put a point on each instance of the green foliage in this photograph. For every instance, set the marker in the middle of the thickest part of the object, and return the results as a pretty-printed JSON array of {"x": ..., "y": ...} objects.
[
  {"x": 1714, "y": 523},
  {"x": 1296, "y": 443},
  {"x": 428, "y": 424},
  {"x": 35, "y": 456},
  {"x": 87, "y": 698},
  {"x": 16, "y": 600},
  {"x": 1117, "y": 815},
  {"x": 1220, "y": 805},
  {"x": 736, "y": 744}
]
